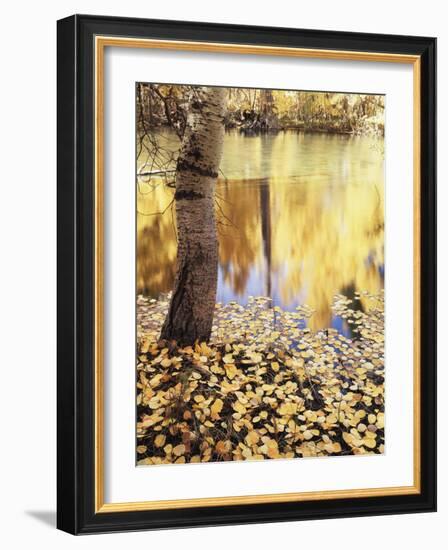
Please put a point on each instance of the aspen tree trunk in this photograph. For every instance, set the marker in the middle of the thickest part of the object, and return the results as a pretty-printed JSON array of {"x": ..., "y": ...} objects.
[{"x": 190, "y": 313}]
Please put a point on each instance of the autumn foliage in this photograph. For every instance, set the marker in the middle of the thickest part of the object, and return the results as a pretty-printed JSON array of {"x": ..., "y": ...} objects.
[{"x": 262, "y": 388}]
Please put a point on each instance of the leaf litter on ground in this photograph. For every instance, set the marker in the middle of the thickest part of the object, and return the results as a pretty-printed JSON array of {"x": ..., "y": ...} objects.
[{"x": 264, "y": 387}]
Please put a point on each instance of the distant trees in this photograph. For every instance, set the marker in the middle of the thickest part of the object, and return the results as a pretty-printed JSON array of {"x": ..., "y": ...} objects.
[
  {"x": 255, "y": 111},
  {"x": 337, "y": 113},
  {"x": 162, "y": 105}
]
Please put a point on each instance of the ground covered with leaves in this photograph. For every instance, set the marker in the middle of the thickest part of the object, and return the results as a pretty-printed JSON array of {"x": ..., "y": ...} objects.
[{"x": 264, "y": 387}]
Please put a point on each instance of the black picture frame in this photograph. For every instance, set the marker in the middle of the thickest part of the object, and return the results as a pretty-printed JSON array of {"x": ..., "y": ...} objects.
[{"x": 76, "y": 263}]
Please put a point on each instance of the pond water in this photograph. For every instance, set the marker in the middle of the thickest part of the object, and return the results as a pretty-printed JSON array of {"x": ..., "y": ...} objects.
[{"x": 301, "y": 218}]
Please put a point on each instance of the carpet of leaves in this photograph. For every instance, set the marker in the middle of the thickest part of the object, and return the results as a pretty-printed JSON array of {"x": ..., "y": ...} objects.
[{"x": 264, "y": 387}]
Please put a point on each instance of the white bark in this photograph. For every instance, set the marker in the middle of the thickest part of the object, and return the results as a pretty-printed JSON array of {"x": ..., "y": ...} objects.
[{"x": 190, "y": 314}]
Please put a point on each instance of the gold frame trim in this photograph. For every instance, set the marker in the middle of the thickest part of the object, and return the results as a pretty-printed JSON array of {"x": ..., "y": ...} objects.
[{"x": 101, "y": 42}]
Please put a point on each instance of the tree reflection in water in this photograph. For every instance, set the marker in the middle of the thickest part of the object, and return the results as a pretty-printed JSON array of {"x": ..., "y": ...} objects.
[{"x": 301, "y": 218}]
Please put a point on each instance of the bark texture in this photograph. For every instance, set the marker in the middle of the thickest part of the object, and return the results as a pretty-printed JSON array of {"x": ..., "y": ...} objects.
[{"x": 190, "y": 314}]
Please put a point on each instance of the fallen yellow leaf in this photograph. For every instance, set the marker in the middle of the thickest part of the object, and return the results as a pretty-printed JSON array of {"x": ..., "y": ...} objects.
[
  {"x": 159, "y": 440},
  {"x": 179, "y": 450},
  {"x": 216, "y": 408}
]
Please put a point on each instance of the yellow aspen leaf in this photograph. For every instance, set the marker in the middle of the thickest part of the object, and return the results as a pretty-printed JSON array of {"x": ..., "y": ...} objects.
[
  {"x": 247, "y": 453},
  {"x": 155, "y": 380},
  {"x": 145, "y": 346},
  {"x": 223, "y": 447},
  {"x": 252, "y": 438},
  {"x": 287, "y": 408},
  {"x": 205, "y": 350},
  {"x": 154, "y": 403},
  {"x": 370, "y": 443},
  {"x": 216, "y": 408},
  {"x": 231, "y": 371},
  {"x": 337, "y": 447},
  {"x": 179, "y": 450},
  {"x": 159, "y": 440},
  {"x": 199, "y": 398},
  {"x": 239, "y": 407},
  {"x": 149, "y": 393},
  {"x": 307, "y": 434},
  {"x": 272, "y": 449}
]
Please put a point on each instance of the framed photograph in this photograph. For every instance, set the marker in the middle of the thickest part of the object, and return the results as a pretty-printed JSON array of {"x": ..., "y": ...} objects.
[{"x": 246, "y": 274}]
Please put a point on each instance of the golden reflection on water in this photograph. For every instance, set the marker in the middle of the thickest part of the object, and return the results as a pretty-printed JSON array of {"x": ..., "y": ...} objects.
[{"x": 301, "y": 218}]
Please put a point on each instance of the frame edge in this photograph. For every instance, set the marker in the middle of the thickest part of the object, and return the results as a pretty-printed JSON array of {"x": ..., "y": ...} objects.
[
  {"x": 67, "y": 463},
  {"x": 74, "y": 516}
]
